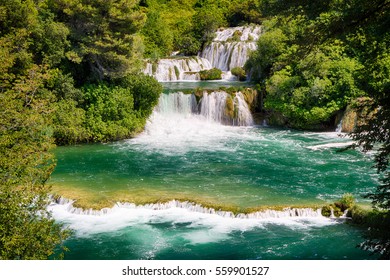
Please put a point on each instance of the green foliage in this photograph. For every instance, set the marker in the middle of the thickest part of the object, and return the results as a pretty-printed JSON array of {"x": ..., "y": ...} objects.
[
  {"x": 109, "y": 113},
  {"x": 307, "y": 84},
  {"x": 244, "y": 12},
  {"x": 45, "y": 46},
  {"x": 270, "y": 46},
  {"x": 239, "y": 72},
  {"x": 188, "y": 44},
  {"x": 206, "y": 21},
  {"x": 106, "y": 111},
  {"x": 50, "y": 42},
  {"x": 347, "y": 201},
  {"x": 212, "y": 74},
  {"x": 158, "y": 38},
  {"x": 145, "y": 90},
  {"x": 169, "y": 28},
  {"x": 186, "y": 25},
  {"x": 26, "y": 228},
  {"x": 331, "y": 52},
  {"x": 378, "y": 234},
  {"x": 68, "y": 123},
  {"x": 315, "y": 89},
  {"x": 103, "y": 39}
]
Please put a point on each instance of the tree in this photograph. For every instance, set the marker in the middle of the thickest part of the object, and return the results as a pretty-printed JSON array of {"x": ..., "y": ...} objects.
[
  {"x": 26, "y": 229},
  {"x": 103, "y": 37},
  {"x": 361, "y": 26},
  {"x": 158, "y": 38}
]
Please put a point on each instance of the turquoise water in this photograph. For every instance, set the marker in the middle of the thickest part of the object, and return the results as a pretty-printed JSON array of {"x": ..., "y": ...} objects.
[
  {"x": 183, "y": 156},
  {"x": 240, "y": 167},
  {"x": 166, "y": 241}
]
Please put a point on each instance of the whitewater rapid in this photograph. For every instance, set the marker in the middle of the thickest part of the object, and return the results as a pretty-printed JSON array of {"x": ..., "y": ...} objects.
[{"x": 122, "y": 215}]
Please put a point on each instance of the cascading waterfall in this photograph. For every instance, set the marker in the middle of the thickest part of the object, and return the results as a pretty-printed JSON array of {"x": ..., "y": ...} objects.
[
  {"x": 231, "y": 47},
  {"x": 177, "y": 103},
  {"x": 192, "y": 207},
  {"x": 184, "y": 121},
  {"x": 244, "y": 116},
  {"x": 212, "y": 107},
  {"x": 177, "y": 69}
]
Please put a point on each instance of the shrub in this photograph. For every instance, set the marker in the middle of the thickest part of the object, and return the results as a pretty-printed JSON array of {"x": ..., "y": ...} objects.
[
  {"x": 212, "y": 74},
  {"x": 347, "y": 201},
  {"x": 239, "y": 72}
]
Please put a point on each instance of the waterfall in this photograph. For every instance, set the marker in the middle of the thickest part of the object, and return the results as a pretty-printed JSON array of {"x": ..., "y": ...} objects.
[
  {"x": 231, "y": 47},
  {"x": 177, "y": 103},
  {"x": 246, "y": 33},
  {"x": 226, "y": 56},
  {"x": 244, "y": 116},
  {"x": 192, "y": 207},
  {"x": 177, "y": 69},
  {"x": 339, "y": 127},
  {"x": 213, "y": 106}
]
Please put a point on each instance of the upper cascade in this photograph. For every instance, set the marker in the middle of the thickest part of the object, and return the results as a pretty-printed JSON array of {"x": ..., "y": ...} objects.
[
  {"x": 231, "y": 47},
  {"x": 245, "y": 34},
  {"x": 177, "y": 69}
]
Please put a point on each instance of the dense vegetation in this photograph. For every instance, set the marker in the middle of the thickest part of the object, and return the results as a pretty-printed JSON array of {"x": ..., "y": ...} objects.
[
  {"x": 314, "y": 59},
  {"x": 70, "y": 73},
  {"x": 186, "y": 25}
]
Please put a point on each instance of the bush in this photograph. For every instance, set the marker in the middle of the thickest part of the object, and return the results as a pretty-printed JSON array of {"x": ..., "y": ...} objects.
[
  {"x": 212, "y": 74},
  {"x": 347, "y": 201},
  {"x": 109, "y": 112},
  {"x": 145, "y": 90},
  {"x": 188, "y": 45},
  {"x": 239, "y": 72},
  {"x": 68, "y": 123}
]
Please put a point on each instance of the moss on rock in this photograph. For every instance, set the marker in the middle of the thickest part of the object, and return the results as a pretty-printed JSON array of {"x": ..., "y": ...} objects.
[{"x": 212, "y": 74}]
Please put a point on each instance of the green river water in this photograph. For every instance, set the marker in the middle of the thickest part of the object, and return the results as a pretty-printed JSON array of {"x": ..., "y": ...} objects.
[{"x": 183, "y": 156}]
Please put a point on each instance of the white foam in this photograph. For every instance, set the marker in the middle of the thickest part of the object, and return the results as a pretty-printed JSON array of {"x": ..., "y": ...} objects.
[
  {"x": 331, "y": 145},
  {"x": 179, "y": 124},
  {"x": 123, "y": 215}
]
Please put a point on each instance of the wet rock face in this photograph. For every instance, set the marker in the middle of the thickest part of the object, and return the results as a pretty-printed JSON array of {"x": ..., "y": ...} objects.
[{"x": 349, "y": 120}]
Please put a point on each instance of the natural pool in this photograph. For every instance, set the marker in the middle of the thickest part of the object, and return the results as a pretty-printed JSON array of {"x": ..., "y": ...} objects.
[{"x": 187, "y": 157}]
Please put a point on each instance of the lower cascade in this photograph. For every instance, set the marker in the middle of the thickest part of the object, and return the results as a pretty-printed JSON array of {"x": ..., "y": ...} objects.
[
  {"x": 216, "y": 106},
  {"x": 192, "y": 207}
]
